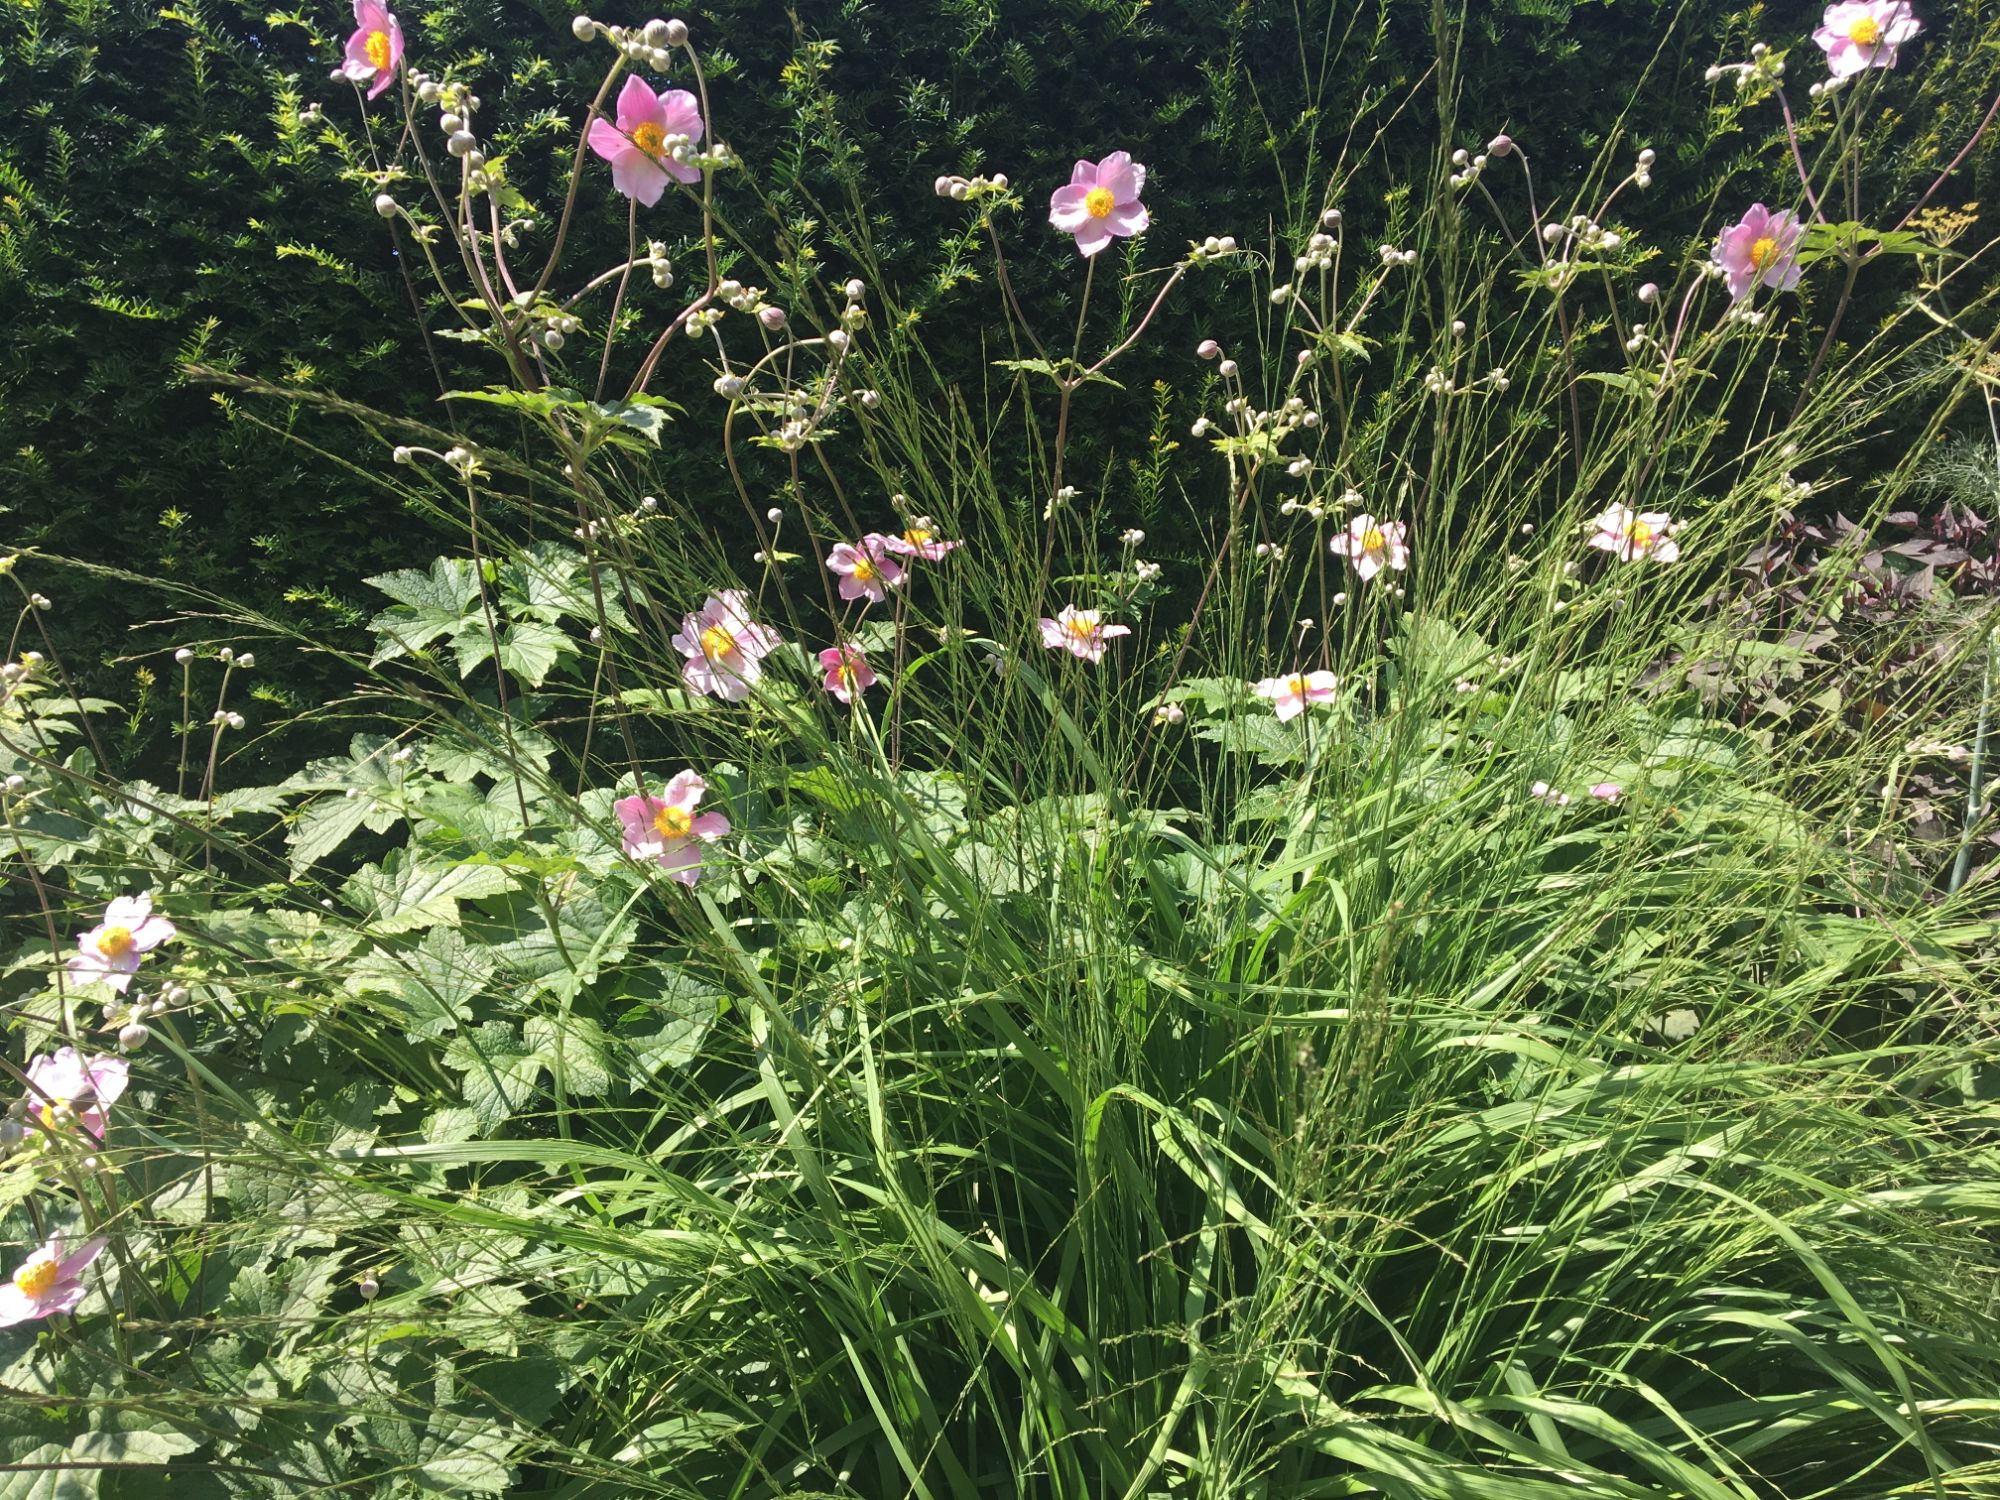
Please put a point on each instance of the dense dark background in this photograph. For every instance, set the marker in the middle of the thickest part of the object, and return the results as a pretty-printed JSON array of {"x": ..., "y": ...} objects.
[{"x": 160, "y": 203}]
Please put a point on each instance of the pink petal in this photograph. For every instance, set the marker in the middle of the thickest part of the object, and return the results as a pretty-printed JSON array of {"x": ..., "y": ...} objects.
[
  {"x": 1053, "y": 634},
  {"x": 605, "y": 140},
  {"x": 684, "y": 791},
  {"x": 710, "y": 825},
  {"x": 1083, "y": 175},
  {"x": 1118, "y": 173},
  {"x": 1093, "y": 237},
  {"x": 1068, "y": 210},
  {"x": 637, "y": 175},
  {"x": 639, "y": 105},
  {"x": 680, "y": 114},
  {"x": 1128, "y": 219},
  {"x": 73, "y": 1264}
]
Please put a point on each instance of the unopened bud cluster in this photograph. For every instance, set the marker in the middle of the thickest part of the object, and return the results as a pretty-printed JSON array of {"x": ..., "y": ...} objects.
[
  {"x": 961, "y": 189},
  {"x": 1765, "y": 67},
  {"x": 652, "y": 44}
]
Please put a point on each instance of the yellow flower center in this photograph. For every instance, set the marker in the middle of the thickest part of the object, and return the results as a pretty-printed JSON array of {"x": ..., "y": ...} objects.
[
  {"x": 377, "y": 48},
  {"x": 1372, "y": 540},
  {"x": 865, "y": 571},
  {"x": 116, "y": 942},
  {"x": 1639, "y": 534},
  {"x": 916, "y": 536},
  {"x": 1763, "y": 252},
  {"x": 673, "y": 822},
  {"x": 37, "y": 1277},
  {"x": 1299, "y": 685},
  {"x": 1083, "y": 626},
  {"x": 650, "y": 138},
  {"x": 1865, "y": 32},
  {"x": 845, "y": 674},
  {"x": 1099, "y": 202},
  {"x": 717, "y": 642}
]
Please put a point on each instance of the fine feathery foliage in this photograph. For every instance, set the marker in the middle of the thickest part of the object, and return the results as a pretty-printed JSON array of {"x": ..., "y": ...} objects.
[{"x": 820, "y": 961}]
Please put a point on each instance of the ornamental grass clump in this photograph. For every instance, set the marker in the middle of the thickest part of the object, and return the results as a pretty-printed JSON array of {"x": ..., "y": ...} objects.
[{"x": 1426, "y": 982}]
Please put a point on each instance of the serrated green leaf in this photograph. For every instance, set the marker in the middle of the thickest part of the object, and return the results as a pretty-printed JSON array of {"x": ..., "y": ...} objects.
[{"x": 406, "y": 892}]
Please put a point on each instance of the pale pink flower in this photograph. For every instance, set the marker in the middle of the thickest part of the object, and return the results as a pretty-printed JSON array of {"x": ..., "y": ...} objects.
[
  {"x": 668, "y": 830},
  {"x": 1372, "y": 545},
  {"x": 868, "y": 570},
  {"x": 1541, "y": 791},
  {"x": 47, "y": 1282},
  {"x": 375, "y": 50},
  {"x": 87, "y": 1086},
  {"x": 848, "y": 674},
  {"x": 1607, "y": 791},
  {"x": 724, "y": 651},
  {"x": 637, "y": 146},
  {"x": 1631, "y": 535},
  {"x": 1101, "y": 201},
  {"x": 921, "y": 540},
  {"x": 1864, "y": 35},
  {"x": 1081, "y": 632},
  {"x": 1290, "y": 696},
  {"x": 110, "y": 951},
  {"x": 1759, "y": 249}
]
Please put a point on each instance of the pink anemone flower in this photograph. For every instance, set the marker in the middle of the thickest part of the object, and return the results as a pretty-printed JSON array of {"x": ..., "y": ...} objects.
[
  {"x": 668, "y": 830},
  {"x": 848, "y": 674},
  {"x": 47, "y": 1282},
  {"x": 1372, "y": 545},
  {"x": 1290, "y": 696},
  {"x": 1100, "y": 202},
  {"x": 1541, "y": 791},
  {"x": 375, "y": 50},
  {"x": 1630, "y": 535},
  {"x": 111, "y": 950},
  {"x": 868, "y": 570},
  {"x": 724, "y": 651},
  {"x": 1760, "y": 249},
  {"x": 921, "y": 540},
  {"x": 1081, "y": 632},
  {"x": 86, "y": 1086},
  {"x": 1607, "y": 791},
  {"x": 1865, "y": 35},
  {"x": 640, "y": 146}
]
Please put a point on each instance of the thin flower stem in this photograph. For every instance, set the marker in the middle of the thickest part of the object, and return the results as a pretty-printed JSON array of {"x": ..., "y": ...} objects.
[{"x": 618, "y": 297}]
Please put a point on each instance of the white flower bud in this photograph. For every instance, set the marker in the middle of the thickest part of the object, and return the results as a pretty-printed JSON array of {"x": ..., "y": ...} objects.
[
  {"x": 775, "y": 514},
  {"x": 655, "y": 33},
  {"x": 773, "y": 318},
  {"x": 1649, "y": 293},
  {"x": 677, "y": 32},
  {"x": 1228, "y": 369},
  {"x": 1200, "y": 428},
  {"x": 729, "y": 386},
  {"x": 184, "y": 656},
  {"x": 450, "y": 124},
  {"x": 461, "y": 143},
  {"x": 1500, "y": 145},
  {"x": 1330, "y": 219},
  {"x": 1280, "y": 293},
  {"x": 999, "y": 180},
  {"x": 1208, "y": 348},
  {"x": 1227, "y": 244},
  {"x": 649, "y": 502},
  {"x": 246, "y": 661},
  {"x": 385, "y": 205},
  {"x": 1458, "y": 328},
  {"x": 942, "y": 187},
  {"x": 369, "y": 1288},
  {"x": 133, "y": 1036},
  {"x": 582, "y": 28},
  {"x": 870, "y": 399},
  {"x": 838, "y": 339},
  {"x": 552, "y": 340}
]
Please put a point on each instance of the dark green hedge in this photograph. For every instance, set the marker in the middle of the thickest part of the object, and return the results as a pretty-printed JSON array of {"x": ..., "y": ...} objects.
[{"x": 160, "y": 203}]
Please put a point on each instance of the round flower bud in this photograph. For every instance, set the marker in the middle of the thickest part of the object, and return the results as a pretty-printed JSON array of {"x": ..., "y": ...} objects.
[
  {"x": 856, "y": 289},
  {"x": 729, "y": 386},
  {"x": 1650, "y": 292},
  {"x": 1330, "y": 219},
  {"x": 552, "y": 340},
  {"x": 402, "y": 455},
  {"x": 958, "y": 191},
  {"x": 1280, "y": 293},
  {"x": 476, "y": 160},
  {"x": 428, "y": 92},
  {"x": 676, "y": 33},
  {"x": 1458, "y": 328},
  {"x": 1228, "y": 369},
  {"x": 655, "y": 33},
  {"x": 450, "y": 123},
  {"x": 1208, "y": 348},
  {"x": 649, "y": 502},
  {"x": 184, "y": 656},
  {"x": 246, "y": 661},
  {"x": 460, "y": 143},
  {"x": 774, "y": 515},
  {"x": 1500, "y": 145},
  {"x": 1460, "y": 157},
  {"x": 582, "y": 28},
  {"x": 133, "y": 1036},
  {"x": 369, "y": 1288},
  {"x": 773, "y": 318},
  {"x": 11, "y": 1133},
  {"x": 385, "y": 205},
  {"x": 870, "y": 399},
  {"x": 838, "y": 339},
  {"x": 1227, "y": 244}
]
